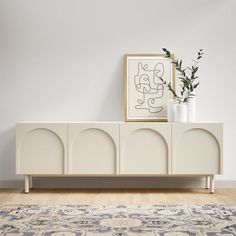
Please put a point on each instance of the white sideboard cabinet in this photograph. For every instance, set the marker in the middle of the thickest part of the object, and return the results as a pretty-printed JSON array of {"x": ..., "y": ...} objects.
[{"x": 119, "y": 149}]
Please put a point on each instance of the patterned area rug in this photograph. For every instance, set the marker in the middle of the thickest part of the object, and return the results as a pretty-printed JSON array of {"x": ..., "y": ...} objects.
[{"x": 81, "y": 220}]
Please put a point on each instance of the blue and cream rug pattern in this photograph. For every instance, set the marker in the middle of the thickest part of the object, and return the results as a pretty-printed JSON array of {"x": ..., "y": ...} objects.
[{"x": 117, "y": 220}]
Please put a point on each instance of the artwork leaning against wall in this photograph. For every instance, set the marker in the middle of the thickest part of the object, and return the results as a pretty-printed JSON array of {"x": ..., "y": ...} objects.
[{"x": 146, "y": 96}]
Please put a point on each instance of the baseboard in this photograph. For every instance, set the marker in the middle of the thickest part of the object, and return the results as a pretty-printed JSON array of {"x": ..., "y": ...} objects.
[
  {"x": 11, "y": 183},
  {"x": 225, "y": 183},
  {"x": 115, "y": 182}
]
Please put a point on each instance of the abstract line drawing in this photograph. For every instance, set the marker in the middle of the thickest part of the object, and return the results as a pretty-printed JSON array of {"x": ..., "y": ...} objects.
[
  {"x": 147, "y": 82},
  {"x": 146, "y": 96}
]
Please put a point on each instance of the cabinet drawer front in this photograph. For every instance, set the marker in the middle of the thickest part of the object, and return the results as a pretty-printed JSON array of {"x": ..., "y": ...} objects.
[
  {"x": 41, "y": 148},
  {"x": 144, "y": 148},
  {"x": 93, "y": 148},
  {"x": 197, "y": 148}
]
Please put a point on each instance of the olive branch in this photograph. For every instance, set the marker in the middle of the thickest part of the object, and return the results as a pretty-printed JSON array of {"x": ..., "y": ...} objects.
[{"x": 187, "y": 76}]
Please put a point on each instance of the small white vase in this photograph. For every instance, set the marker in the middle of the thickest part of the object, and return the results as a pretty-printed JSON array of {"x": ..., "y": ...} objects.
[
  {"x": 191, "y": 107},
  {"x": 171, "y": 106},
  {"x": 181, "y": 112}
]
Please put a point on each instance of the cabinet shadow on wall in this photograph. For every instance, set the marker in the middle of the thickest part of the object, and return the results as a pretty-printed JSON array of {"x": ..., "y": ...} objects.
[
  {"x": 7, "y": 154},
  {"x": 118, "y": 182}
]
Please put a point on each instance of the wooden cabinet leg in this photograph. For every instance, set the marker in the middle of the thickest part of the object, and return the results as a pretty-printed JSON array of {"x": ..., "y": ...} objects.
[
  {"x": 207, "y": 182},
  {"x": 212, "y": 184},
  {"x": 27, "y": 183},
  {"x": 31, "y": 181}
]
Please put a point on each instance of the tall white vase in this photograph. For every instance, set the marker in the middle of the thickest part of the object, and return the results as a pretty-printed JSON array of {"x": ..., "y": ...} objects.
[
  {"x": 181, "y": 112},
  {"x": 171, "y": 107},
  {"x": 191, "y": 107}
]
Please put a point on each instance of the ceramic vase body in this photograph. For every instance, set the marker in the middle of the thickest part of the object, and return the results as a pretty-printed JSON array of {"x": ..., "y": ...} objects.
[
  {"x": 181, "y": 113},
  {"x": 171, "y": 107},
  {"x": 191, "y": 107}
]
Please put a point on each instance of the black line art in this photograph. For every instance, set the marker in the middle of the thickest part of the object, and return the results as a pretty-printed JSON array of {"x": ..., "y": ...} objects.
[{"x": 148, "y": 83}]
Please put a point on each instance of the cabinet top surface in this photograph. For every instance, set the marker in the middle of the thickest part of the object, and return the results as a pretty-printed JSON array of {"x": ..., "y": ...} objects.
[{"x": 111, "y": 122}]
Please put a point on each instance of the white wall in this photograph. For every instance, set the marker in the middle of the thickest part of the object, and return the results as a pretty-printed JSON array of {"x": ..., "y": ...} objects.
[{"x": 63, "y": 60}]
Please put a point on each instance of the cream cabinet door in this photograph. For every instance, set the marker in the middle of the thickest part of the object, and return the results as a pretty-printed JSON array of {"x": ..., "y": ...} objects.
[
  {"x": 93, "y": 148},
  {"x": 144, "y": 148},
  {"x": 41, "y": 148},
  {"x": 197, "y": 148}
]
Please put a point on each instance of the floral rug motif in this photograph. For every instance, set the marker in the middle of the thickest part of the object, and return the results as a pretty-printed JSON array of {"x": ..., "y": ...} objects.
[{"x": 117, "y": 220}]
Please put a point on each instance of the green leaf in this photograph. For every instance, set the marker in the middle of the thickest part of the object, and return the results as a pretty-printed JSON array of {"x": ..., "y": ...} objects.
[
  {"x": 192, "y": 95},
  {"x": 166, "y": 52}
]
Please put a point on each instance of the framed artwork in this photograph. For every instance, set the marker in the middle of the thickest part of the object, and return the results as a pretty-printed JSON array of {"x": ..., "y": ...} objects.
[{"x": 146, "y": 96}]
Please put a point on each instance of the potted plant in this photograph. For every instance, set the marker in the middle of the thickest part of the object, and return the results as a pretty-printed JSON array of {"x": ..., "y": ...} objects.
[{"x": 188, "y": 82}]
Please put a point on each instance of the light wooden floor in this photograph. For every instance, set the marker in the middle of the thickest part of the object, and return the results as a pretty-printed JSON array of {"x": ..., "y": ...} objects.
[{"x": 118, "y": 196}]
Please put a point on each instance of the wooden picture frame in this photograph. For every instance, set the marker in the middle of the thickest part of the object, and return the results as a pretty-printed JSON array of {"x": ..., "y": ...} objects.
[{"x": 145, "y": 95}]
